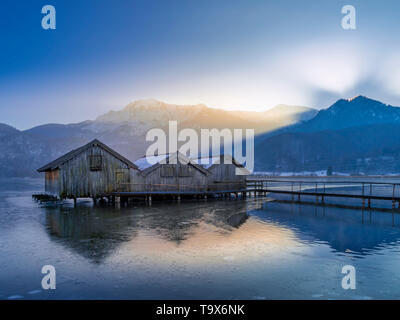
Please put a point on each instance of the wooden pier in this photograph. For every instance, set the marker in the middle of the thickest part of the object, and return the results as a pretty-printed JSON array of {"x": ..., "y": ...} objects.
[
  {"x": 178, "y": 192},
  {"x": 366, "y": 191}
]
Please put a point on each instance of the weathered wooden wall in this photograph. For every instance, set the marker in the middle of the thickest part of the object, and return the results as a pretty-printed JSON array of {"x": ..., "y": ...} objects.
[
  {"x": 137, "y": 182},
  {"x": 52, "y": 182},
  {"x": 78, "y": 180},
  {"x": 196, "y": 182},
  {"x": 223, "y": 177}
]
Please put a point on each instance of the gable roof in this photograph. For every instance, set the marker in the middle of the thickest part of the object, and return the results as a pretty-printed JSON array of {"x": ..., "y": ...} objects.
[
  {"x": 149, "y": 164},
  {"x": 70, "y": 155},
  {"x": 144, "y": 162},
  {"x": 211, "y": 161}
]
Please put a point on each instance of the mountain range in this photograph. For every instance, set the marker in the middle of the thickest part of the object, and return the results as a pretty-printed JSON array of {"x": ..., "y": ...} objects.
[
  {"x": 358, "y": 135},
  {"x": 22, "y": 152}
]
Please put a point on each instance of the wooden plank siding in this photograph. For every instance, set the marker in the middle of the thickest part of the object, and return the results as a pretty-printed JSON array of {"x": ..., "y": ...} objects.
[
  {"x": 176, "y": 177},
  {"x": 223, "y": 177},
  {"x": 52, "y": 182},
  {"x": 88, "y": 171},
  {"x": 79, "y": 180}
]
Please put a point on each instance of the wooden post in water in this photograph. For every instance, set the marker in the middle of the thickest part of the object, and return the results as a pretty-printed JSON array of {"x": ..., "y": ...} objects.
[
  {"x": 298, "y": 197},
  {"x": 292, "y": 193},
  {"x": 117, "y": 202},
  {"x": 392, "y": 219},
  {"x": 370, "y": 193},
  {"x": 363, "y": 185},
  {"x": 363, "y": 199}
]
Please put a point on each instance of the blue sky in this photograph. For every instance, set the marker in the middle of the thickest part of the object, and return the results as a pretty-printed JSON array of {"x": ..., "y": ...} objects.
[{"x": 233, "y": 54}]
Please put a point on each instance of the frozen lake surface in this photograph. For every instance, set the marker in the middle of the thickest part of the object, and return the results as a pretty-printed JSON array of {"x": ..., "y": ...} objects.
[{"x": 213, "y": 249}]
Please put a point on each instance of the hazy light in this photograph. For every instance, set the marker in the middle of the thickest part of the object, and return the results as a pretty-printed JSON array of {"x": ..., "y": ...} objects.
[
  {"x": 389, "y": 73},
  {"x": 294, "y": 76},
  {"x": 336, "y": 67}
]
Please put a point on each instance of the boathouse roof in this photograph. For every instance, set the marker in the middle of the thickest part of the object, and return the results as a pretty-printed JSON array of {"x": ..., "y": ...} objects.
[
  {"x": 70, "y": 155},
  {"x": 147, "y": 164},
  {"x": 208, "y": 162}
]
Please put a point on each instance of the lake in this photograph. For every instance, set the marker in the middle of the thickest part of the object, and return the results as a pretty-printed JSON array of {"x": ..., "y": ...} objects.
[{"x": 196, "y": 249}]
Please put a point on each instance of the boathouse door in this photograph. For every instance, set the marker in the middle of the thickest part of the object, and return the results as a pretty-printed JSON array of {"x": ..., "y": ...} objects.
[{"x": 122, "y": 180}]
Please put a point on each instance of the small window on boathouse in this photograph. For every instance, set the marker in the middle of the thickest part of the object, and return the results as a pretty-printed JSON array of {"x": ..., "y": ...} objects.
[{"x": 95, "y": 163}]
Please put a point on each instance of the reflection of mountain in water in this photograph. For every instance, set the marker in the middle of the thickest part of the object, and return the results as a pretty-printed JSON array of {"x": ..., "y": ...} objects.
[
  {"x": 96, "y": 232},
  {"x": 342, "y": 229}
]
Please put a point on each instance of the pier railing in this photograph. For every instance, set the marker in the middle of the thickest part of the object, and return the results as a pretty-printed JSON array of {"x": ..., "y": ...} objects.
[{"x": 364, "y": 190}]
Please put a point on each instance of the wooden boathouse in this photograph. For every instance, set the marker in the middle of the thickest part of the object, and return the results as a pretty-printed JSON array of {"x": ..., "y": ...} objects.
[
  {"x": 87, "y": 172},
  {"x": 225, "y": 172},
  {"x": 169, "y": 172},
  {"x": 96, "y": 171}
]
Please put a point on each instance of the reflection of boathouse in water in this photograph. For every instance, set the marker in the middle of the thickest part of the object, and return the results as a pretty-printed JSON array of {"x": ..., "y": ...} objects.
[
  {"x": 95, "y": 170},
  {"x": 96, "y": 232}
]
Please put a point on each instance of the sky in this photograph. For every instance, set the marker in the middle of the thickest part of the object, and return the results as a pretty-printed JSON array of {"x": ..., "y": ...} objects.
[{"x": 231, "y": 54}]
